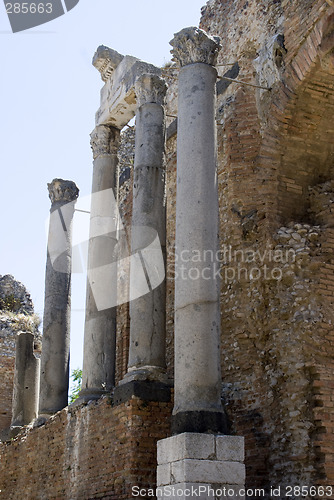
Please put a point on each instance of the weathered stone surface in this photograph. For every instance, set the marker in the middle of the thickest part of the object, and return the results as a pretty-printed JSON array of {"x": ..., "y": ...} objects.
[
  {"x": 186, "y": 490},
  {"x": 62, "y": 191},
  {"x": 208, "y": 471},
  {"x": 98, "y": 374},
  {"x": 54, "y": 379},
  {"x": 190, "y": 460},
  {"x": 230, "y": 448},
  {"x": 16, "y": 315},
  {"x": 26, "y": 382},
  {"x": 186, "y": 445},
  {"x": 118, "y": 98},
  {"x": 193, "y": 45},
  {"x": 106, "y": 61},
  {"x": 10, "y": 288},
  {"x": 147, "y": 312},
  {"x": 150, "y": 88},
  {"x": 197, "y": 324}
]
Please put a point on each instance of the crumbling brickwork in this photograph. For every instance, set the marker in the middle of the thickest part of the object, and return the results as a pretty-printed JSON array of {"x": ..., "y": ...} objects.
[
  {"x": 93, "y": 451},
  {"x": 16, "y": 314},
  {"x": 275, "y": 176},
  {"x": 275, "y": 162}
]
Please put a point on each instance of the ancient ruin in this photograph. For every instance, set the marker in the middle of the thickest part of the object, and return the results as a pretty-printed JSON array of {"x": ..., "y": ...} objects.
[{"x": 220, "y": 373}]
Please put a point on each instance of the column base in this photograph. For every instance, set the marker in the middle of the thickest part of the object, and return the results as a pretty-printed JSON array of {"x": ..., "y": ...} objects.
[
  {"x": 206, "y": 466},
  {"x": 42, "y": 419},
  {"x": 147, "y": 390},
  {"x": 86, "y": 395},
  {"x": 200, "y": 421},
  {"x": 146, "y": 373}
]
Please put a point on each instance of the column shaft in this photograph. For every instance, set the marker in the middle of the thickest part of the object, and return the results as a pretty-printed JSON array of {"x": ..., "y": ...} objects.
[
  {"x": 98, "y": 374},
  {"x": 57, "y": 305},
  {"x": 197, "y": 319},
  {"x": 147, "y": 312}
]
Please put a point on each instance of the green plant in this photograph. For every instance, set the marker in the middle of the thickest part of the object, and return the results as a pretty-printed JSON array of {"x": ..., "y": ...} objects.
[
  {"x": 10, "y": 303},
  {"x": 76, "y": 377}
]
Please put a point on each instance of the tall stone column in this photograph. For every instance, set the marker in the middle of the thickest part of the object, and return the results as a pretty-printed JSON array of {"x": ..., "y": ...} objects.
[
  {"x": 197, "y": 406},
  {"x": 98, "y": 374},
  {"x": 57, "y": 305},
  {"x": 26, "y": 383},
  {"x": 147, "y": 313}
]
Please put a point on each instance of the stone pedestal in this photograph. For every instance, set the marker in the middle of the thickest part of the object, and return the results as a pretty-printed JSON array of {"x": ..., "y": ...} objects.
[
  {"x": 26, "y": 383},
  {"x": 54, "y": 379},
  {"x": 198, "y": 405},
  {"x": 206, "y": 466},
  {"x": 98, "y": 374},
  {"x": 147, "y": 312}
]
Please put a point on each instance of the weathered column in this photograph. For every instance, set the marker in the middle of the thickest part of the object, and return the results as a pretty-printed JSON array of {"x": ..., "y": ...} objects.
[
  {"x": 147, "y": 313},
  {"x": 98, "y": 374},
  {"x": 26, "y": 383},
  {"x": 197, "y": 405},
  {"x": 57, "y": 305}
]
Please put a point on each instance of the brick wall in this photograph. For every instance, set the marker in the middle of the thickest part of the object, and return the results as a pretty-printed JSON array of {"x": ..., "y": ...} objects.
[
  {"x": 275, "y": 171},
  {"x": 274, "y": 146},
  {"x": 95, "y": 451}
]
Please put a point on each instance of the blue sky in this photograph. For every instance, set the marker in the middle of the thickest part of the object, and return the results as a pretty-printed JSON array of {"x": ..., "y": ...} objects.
[{"x": 49, "y": 95}]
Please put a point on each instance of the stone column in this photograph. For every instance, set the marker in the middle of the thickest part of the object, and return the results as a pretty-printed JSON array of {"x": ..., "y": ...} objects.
[
  {"x": 26, "y": 383},
  {"x": 98, "y": 374},
  {"x": 147, "y": 313},
  {"x": 57, "y": 304},
  {"x": 197, "y": 405}
]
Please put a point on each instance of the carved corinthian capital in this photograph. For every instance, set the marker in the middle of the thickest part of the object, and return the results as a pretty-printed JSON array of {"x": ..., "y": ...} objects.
[
  {"x": 104, "y": 140},
  {"x": 193, "y": 45},
  {"x": 150, "y": 88},
  {"x": 65, "y": 191}
]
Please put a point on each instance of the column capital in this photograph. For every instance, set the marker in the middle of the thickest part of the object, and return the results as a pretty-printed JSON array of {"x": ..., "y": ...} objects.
[
  {"x": 104, "y": 140},
  {"x": 193, "y": 45},
  {"x": 150, "y": 88},
  {"x": 61, "y": 190}
]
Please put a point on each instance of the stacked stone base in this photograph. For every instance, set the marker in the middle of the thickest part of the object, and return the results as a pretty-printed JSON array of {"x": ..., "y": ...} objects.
[{"x": 206, "y": 466}]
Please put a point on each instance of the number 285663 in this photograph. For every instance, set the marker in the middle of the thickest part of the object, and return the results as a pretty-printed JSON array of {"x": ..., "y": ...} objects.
[{"x": 28, "y": 8}]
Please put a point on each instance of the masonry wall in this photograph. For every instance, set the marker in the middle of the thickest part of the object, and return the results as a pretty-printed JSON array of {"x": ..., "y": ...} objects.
[
  {"x": 7, "y": 361},
  {"x": 275, "y": 159},
  {"x": 95, "y": 451},
  {"x": 275, "y": 174},
  {"x": 16, "y": 314}
]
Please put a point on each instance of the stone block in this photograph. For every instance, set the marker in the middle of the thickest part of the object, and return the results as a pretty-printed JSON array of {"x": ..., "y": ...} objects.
[
  {"x": 186, "y": 491},
  {"x": 230, "y": 491},
  {"x": 163, "y": 474},
  {"x": 186, "y": 445},
  {"x": 230, "y": 448},
  {"x": 208, "y": 471}
]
